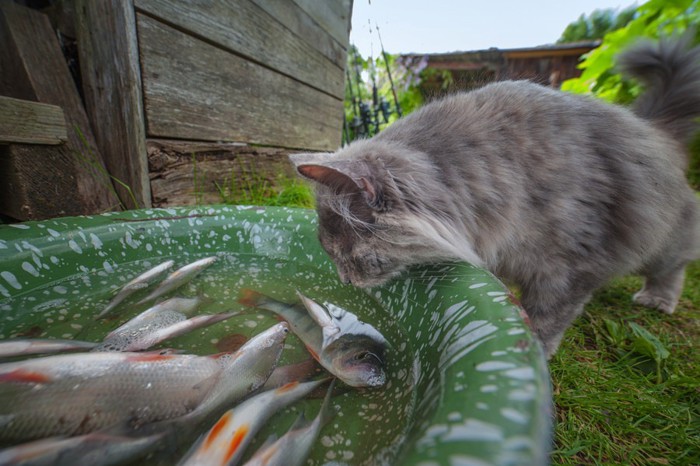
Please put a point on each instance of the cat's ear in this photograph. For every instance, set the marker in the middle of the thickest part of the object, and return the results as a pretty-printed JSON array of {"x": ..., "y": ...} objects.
[{"x": 340, "y": 175}]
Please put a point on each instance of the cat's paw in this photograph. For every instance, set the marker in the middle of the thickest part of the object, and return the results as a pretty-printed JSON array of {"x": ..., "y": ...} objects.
[{"x": 649, "y": 300}]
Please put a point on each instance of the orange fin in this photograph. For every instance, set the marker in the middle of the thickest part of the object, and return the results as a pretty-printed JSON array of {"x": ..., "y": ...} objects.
[
  {"x": 250, "y": 298},
  {"x": 24, "y": 376},
  {"x": 236, "y": 441}
]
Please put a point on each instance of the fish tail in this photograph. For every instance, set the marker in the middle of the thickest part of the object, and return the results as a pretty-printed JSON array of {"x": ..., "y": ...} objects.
[{"x": 327, "y": 411}]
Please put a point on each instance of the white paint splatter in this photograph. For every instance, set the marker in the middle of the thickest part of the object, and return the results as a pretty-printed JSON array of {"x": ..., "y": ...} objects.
[
  {"x": 11, "y": 280},
  {"x": 74, "y": 246}
]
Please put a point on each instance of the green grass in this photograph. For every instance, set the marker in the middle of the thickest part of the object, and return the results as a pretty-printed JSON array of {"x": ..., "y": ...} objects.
[
  {"x": 289, "y": 192},
  {"x": 620, "y": 398}
]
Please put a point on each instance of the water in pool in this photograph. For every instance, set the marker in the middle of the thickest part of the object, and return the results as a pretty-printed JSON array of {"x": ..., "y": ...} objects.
[{"x": 370, "y": 425}]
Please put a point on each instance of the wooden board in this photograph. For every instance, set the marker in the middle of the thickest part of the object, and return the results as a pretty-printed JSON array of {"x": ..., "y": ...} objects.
[
  {"x": 38, "y": 182},
  {"x": 300, "y": 23},
  {"x": 332, "y": 15},
  {"x": 30, "y": 122},
  {"x": 189, "y": 173},
  {"x": 109, "y": 65},
  {"x": 193, "y": 90},
  {"x": 242, "y": 27}
]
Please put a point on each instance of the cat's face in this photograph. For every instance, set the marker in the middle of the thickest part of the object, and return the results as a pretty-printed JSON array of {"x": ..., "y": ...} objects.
[
  {"x": 360, "y": 256},
  {"x": 359, "y": 218}
]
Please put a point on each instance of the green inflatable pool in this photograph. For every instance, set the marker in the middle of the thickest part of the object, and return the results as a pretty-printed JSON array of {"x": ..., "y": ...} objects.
[{"x": 467, "y": 383}]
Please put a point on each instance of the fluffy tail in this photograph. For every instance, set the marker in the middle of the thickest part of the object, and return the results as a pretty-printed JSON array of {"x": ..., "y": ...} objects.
[{"x": 670, "y": 71}]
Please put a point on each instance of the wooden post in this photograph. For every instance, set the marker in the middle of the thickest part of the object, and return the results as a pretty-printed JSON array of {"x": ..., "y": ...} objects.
[
  {"x": 109, "y": 64},
  {"x": 38, "y": 182}
]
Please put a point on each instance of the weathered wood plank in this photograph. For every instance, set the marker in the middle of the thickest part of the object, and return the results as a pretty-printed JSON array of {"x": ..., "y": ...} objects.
[
  {"x": 109, "y": 65},
  {"x": 246, "y": 29},
  {"x": 186, "y": 97},
  {"x": 69, "y": 179},
  {"x": 300, "y": 23},
  {"x": 29, "y": 122},
  {"x": 332, "y": 15},
  {"x": 188, "y": 173}
]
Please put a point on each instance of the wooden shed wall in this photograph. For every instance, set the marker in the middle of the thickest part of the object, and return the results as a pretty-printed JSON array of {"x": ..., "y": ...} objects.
[
  {"x": 255, "y": 72},
  {"x": 234, "y": 71}
]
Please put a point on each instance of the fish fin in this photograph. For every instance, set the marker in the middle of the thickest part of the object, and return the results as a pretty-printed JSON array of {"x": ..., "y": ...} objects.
[
  {"x": 283, "y": 375},
  {"x": 236, "y": 442},
  {"x": 321, "y": 316},
  {"x": 24, "y": 376},
  {"x": 272, "y": 438},
  {"x": 327, "y": 411},
  {"x": 299, "y": 422},
  {"x": 250, "y": 298}
]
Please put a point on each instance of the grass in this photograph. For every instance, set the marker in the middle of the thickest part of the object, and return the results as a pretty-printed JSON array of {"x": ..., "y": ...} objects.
[
  {"x": 625, "y": 396},
  {"x": 257, "y": 190}
]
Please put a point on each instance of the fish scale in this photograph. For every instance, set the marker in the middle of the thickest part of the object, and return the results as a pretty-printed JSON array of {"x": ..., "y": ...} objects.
[{"x": 87, "y": 392}]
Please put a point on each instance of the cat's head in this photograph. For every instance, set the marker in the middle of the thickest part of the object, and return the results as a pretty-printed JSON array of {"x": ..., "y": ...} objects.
[{"x": 365, "y": 198}]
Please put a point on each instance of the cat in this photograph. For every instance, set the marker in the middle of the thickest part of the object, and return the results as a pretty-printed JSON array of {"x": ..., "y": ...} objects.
[{"x": 554, "y": 192}]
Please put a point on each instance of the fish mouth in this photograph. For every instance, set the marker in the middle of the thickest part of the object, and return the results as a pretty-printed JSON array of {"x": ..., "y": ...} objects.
[{"x": 376, "y": 380}]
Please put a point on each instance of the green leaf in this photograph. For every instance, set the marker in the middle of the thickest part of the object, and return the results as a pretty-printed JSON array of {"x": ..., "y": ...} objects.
[
  {"x": 647, "y": 344},
  {"x": 616, "y": 332}
]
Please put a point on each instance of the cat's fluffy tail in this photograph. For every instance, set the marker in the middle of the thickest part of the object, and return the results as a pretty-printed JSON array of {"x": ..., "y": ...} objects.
[{"x": 670, "y": 71}]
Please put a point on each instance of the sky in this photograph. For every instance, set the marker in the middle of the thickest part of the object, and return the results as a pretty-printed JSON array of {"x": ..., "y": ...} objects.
[{"x": 435, "y": 26}]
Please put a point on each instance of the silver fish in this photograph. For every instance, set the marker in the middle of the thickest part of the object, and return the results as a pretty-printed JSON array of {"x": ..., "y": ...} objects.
[
  {"x": 351, "y": 350},
  {"x": 226, "y": 441},
  {"x": 294, "y": 447},
  {"x": 158, "y": 323},
  {"x": 179, "y": 278},
  {"x": 81, "y": 393},
  {"x": 138, "y": 283},
  {"x": 94, "y": 449},
  {"x": 246, "y": 370},
  {"x": 24, "y": 347}
]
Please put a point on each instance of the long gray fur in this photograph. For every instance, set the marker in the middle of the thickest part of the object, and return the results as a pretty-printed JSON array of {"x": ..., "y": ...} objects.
[{"x": 554, "y": 192}]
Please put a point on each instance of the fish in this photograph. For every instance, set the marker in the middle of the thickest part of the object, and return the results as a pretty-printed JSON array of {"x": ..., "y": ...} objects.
[
  {"x": 138, "y": 283},
  {"x": 28, "y": 346},
  {"x": 225, "y": 443},
  {"x": 179, "y": 278},
  {"x": 246, "y": 370},
  {"x": 294, "y": 447},
  {"x": 76, "y": 394},
  {"x": 95, "y": 449},
  {"x": 300, "y": 371},
  {"x": 355, "y": 353},
  {"x": 158, "y": 323}
]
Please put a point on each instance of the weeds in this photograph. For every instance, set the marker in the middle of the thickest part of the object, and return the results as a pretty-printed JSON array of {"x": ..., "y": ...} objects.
[
  {"x": 257, "y": 190},
  {"x": 627, "y": 381},
  {"x": 92, "y": 160}
]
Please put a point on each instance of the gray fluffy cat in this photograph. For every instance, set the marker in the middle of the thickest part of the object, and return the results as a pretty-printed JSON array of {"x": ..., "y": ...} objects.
[{"x": 554, "y": 192}]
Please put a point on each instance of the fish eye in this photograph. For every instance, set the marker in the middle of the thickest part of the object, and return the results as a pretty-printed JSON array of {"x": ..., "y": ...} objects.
[{"x": 365, "y": 355}]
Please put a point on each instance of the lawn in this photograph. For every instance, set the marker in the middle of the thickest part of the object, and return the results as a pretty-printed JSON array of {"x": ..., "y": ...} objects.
[{"x": 620, "y": 398}]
